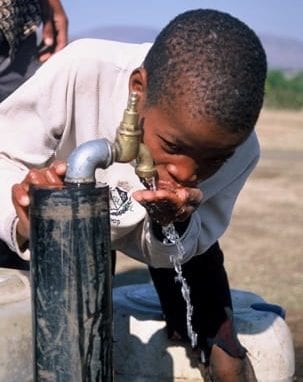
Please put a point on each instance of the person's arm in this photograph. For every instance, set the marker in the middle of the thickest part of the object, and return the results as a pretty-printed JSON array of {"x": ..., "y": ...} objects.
[{"x": 54, "y": 29}]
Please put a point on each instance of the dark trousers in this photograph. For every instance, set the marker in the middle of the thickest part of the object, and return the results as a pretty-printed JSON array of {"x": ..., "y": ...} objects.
[
  {"x": 210, "y": 298},
  {"x": 9, "y": 259},
  {"x": 14, "y": 73}
]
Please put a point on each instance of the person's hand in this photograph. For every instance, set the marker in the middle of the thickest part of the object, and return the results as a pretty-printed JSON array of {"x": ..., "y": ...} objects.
[
  {"x": 51, "y": 176},
  {"x": 167, "y": 204},
  {"x": 55, "y": 28}
]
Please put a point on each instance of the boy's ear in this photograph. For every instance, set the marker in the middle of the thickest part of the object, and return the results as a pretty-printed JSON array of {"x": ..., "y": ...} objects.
[{"x": 138, "y": 82}]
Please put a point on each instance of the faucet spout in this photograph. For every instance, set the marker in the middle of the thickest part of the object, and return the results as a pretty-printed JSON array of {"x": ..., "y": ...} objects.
[{"x": 145, "y": 167}]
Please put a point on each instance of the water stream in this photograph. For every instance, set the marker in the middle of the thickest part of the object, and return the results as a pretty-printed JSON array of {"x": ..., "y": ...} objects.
[{"x": 172, "y": 236}]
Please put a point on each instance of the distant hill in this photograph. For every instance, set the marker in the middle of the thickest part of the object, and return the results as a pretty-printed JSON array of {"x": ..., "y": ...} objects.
[
  {"x": 121, "y": 33},
  {"x": 282, "y": 53}
]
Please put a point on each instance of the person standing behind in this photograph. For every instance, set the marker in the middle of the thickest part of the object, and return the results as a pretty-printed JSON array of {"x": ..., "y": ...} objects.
[{"x": 20, "y": 55}]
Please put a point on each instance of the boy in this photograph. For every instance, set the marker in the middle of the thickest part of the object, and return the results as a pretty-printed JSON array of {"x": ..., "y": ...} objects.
[{"x": 200, "y": 89}]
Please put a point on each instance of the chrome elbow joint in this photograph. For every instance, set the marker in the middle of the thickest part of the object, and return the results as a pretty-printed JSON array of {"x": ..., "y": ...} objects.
[{"x": 86, "y": 158}]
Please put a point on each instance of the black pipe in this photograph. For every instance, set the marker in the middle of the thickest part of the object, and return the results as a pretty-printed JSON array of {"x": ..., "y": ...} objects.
[{"x": 71, "y": 284}]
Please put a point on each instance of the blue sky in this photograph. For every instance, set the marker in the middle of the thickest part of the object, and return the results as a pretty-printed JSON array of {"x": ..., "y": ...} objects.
[{"x": 278, "y": 17}]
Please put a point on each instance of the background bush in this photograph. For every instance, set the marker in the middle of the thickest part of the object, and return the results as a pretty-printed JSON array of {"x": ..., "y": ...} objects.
[{"x": 284, "y": 91}]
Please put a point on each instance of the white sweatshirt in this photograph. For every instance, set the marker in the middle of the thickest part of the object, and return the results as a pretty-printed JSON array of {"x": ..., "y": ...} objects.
[{"x": 78, "y": 95}]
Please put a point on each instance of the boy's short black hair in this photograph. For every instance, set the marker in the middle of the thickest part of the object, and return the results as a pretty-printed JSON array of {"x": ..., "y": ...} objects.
[{"x": 214, "y": 61}]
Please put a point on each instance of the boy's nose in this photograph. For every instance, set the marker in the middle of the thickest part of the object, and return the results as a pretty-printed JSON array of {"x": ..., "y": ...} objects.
[{"x": 183, "y": 174}]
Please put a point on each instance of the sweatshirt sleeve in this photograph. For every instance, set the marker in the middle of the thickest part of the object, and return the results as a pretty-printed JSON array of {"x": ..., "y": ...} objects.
[
  {"x": 209, "y": 221},
  {"x": 11, "y": 172}
]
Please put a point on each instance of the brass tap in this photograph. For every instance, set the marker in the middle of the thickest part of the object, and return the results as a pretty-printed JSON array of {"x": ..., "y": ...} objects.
[
  {"x": 128, "y": 136},
  {"x": 145, "y": 168},
  {"x": 128, "y": 146}
]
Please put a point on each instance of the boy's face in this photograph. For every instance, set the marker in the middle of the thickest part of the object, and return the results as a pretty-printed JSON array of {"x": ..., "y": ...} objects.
[{"x": 185, "y": 150}]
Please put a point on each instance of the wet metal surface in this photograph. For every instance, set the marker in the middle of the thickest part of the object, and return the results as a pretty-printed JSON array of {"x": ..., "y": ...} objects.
[{"x": 71, "y": 284}]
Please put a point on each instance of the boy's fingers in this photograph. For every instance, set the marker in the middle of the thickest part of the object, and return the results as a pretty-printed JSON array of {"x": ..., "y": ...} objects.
[
  {"x": 166, "y": 206},
  {"x": 60, "y": 167},
  {"x": 52, "y": 178},
  {"x": 20, "y": 195},
  {"x": 48, "y": 176},
  {"x": 20, "y": 192}
]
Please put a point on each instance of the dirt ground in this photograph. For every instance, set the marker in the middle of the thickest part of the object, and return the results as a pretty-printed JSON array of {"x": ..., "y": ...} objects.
[{"x": 264, "y": 244}]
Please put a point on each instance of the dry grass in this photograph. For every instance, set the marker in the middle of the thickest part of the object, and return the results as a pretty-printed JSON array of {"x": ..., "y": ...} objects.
[
  {"x": 264, "y": 244},
  {"x": 281, "y": 130}
]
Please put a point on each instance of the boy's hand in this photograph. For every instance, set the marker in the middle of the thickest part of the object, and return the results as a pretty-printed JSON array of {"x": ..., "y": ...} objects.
[
  {"x": 52, "y": 176},
  {"x": 169, "y": 205}
]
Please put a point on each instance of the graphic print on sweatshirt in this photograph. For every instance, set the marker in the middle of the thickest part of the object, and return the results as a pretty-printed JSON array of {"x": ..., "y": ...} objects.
[{"x": 120, "y": 203}]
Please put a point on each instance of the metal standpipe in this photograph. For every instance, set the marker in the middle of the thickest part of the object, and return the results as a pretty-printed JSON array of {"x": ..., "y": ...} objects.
[{"x": 71, "y": 283}]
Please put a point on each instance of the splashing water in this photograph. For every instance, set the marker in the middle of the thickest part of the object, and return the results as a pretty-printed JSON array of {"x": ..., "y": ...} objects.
[
  {"x": 172, "y": 236},
  {"x": 149, "y": 183}
]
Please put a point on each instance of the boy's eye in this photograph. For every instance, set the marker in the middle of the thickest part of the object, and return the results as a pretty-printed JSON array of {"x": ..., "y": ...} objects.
[{"x": 171, "y": 148}]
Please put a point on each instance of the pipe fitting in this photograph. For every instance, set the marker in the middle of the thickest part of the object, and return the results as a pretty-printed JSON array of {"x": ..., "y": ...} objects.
[{"x": 86, "y": 158}]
